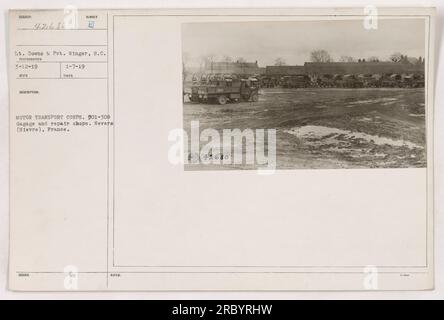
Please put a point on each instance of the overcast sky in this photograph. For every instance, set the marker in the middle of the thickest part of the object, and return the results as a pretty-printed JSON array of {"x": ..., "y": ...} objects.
[{"x": 293, "y": 41}]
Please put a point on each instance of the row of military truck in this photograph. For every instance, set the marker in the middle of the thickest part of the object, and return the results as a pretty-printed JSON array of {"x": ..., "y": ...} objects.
[
  {"x": 412, "y": 80},
  {"x": 389, "y": 80},
  {"x": 223, "y": 88}
]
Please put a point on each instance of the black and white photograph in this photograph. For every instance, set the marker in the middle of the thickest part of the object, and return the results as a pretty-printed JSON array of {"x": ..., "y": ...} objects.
[{"x": 338, "y": 93}]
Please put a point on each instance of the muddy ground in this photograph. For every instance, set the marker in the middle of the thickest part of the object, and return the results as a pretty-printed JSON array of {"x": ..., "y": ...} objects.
[{"x": 327, "y": 128}]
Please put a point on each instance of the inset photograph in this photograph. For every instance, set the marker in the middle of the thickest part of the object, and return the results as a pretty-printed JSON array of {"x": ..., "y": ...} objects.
[{"x": 304, "y": 94}]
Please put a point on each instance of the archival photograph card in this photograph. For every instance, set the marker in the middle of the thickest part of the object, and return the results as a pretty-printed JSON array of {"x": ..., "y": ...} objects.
[{"x": 221, "y": 149}]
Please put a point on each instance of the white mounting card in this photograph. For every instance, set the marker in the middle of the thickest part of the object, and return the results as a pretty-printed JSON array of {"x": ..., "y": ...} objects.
[{"x": 221, "y": 149}]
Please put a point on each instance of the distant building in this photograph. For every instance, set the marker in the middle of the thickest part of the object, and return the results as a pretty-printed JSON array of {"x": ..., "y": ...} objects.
[
  {"x": 280, "y": 71},
  {"x": 318, "y": 68},
  {"x": 243, "y": 68}
]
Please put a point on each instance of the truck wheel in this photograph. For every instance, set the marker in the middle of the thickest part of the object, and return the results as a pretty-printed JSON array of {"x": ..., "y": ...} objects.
[
  {"x": 255, "y": 97},
  {"x": 222, "y": 100}
]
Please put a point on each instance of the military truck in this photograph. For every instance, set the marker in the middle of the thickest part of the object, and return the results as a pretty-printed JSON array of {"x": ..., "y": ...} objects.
[
  {"x": 369, "y": 80},
  {"x": 268, "y": 82},
  {"x": 225, "y": 88},
  {"x": 391, "y": 80},
  {"x": 327, "y": 80},
  {"x": 296, "y": 81},
  {"x": 349, "y": 81},
  {"x": 413, "y": 80}
]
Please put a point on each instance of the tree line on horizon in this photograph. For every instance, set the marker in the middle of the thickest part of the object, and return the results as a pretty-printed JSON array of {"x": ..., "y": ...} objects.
[
  {"x": 323, "y": 56},
  {"x": 320, "y": 56}
]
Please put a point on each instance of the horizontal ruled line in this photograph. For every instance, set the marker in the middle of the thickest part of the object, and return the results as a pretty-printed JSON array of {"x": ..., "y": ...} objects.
[
  {"x": 61, "y": 45},
  {"x": 229, "y": 272},
  {"x": 62, "y": 78},
  {"x": 33, "y": 29},
  {"x": 61, "y": 62}
]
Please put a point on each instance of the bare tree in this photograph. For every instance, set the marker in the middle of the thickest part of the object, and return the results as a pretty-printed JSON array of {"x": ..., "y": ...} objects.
[
  {"x": 412, "y": 60},
  {"x": 185, "y": 61},
  {"x": 347, "y": 59},
  {"x": 320, "y": 56},
  {"x": 227, "y": 59},
  {"x": 206, "y": 61},
  {"x": 280, "y": 62},
  {"x": 184, "y": 72},
  {"x": 396, "y": 57}
]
